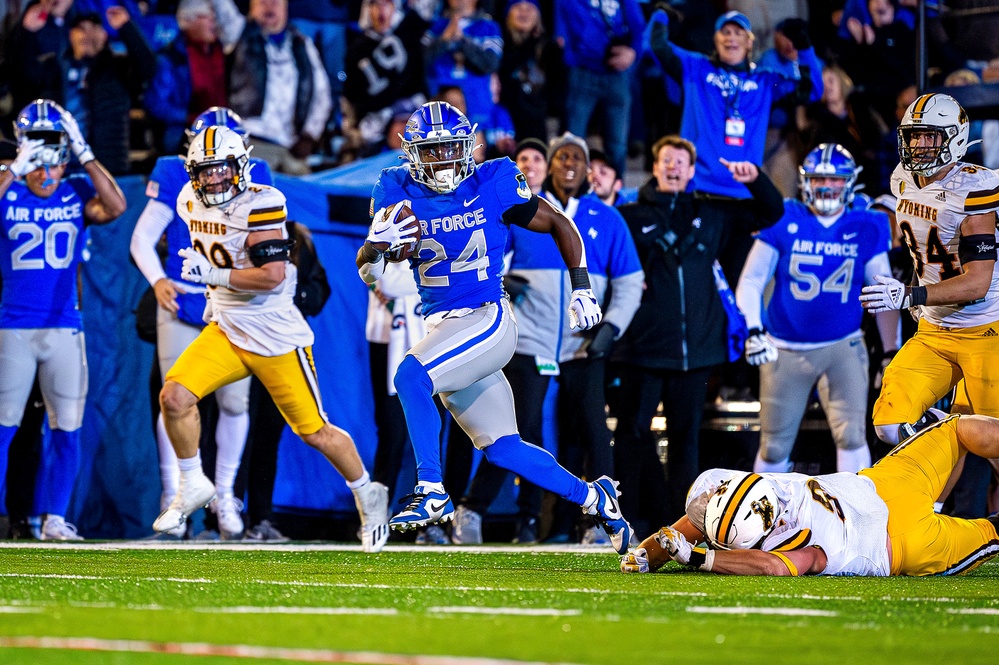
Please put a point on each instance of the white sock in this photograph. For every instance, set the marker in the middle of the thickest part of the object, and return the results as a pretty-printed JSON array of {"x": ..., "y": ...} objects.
[
  {"x": 190, "y": 466},
  {"x": 169, "y": 473},
  {"x": 432, "y": 487},
  {"x": 852, "y": 461},
  {"x": 760, "y": 465},
  {"x": 937, "y": 506},
  {"x": 591, "y": 497},
  {"x": 360, "y": 482},
  {"x": 230, "y": 439}
]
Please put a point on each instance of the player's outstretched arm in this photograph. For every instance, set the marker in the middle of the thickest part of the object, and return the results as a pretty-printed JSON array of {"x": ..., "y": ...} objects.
[{"x": 806, "y": 561}]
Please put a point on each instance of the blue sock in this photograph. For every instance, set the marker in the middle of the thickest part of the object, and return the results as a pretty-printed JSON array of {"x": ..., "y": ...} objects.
[
  {"x": 536, "y": 465},
  {"x": 57, "y": 473},
  {"x": 6, "y": 436},
  {"x": 416, "y": 392}
]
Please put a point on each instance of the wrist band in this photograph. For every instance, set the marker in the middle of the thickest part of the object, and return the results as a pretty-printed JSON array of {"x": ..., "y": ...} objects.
[
  {"x": 915, "y": 296},
  {"x": 579, "y": 278},
  {"x": 697, "y": 556},
  {"x": 709, "y": 561}
]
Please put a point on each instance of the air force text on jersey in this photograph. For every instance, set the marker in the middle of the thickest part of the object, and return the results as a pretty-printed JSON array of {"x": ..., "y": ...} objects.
[
  {"x": 825, "y": 248},
  {"x": 449, "y": 223},
  {"x": 53, "y": 214}
]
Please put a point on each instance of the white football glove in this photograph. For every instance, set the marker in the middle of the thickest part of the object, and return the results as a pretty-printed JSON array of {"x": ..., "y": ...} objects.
[
  {"x": 759, "y": 349},
  {"x": 386, "y": 232},
  {"x": 27, "y": 160},
  {"x": 584, "y": 311},
  {"x": 198, "y": 269},
  {"x": 77, "y": 143},
  {"x": 636, "y": 561},
  {"x": 675, "y": 544},
  {"x": 886, "y": 295}
]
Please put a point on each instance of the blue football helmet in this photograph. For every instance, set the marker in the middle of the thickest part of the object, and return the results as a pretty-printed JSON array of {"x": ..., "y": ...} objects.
[
  {"x": 42, "y": 119},
  {"x": 829, "y": 160},
  {"x": 439, "y": 142},
  {"x": 220, "y": 116}
]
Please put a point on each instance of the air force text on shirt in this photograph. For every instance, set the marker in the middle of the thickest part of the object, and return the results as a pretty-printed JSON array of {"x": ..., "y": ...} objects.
[
  {"x": 48, "y": 214},
  {"x": 823, "y": 248},
  {"x": 459, "y": 222}
]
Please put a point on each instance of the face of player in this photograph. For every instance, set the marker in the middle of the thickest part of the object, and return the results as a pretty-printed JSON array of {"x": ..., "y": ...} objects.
[
  {"x": 733, "y": 44},
  {"x": 441, "y": 162},
  {"x": 568, "y": 168},
  {"x": 925, "y": 146},
  {"x": 43, "y": 181},
  {"x": 215, "y": 178},
  {"x": 604, "y": 179},
  {"x": 827, "y": 194},
  {"x": 523, "y": 17},
  {"x": 534, "y": 166},
  {"x": 673, "y": 169},
  {"x": 270, "y": 15}
]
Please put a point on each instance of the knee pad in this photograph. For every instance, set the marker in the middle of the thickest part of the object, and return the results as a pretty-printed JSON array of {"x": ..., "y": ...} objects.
[
  {"x": 412, "y": 375},
  {"x": 888, "y": 433}
]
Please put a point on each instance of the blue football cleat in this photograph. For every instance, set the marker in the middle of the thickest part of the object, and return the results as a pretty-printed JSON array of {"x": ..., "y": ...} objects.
[
  {"x": 426, "y": 507},
  {"x": 607, "y": 512}
]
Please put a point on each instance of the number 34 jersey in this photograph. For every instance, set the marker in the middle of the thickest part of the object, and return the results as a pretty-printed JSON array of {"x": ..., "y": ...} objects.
[
  {"x": 263, "y": 322},
  {"x": 459, "y": 262},
  {"x": 40, "y": 250},
  {"x": 930, "y": 221}
]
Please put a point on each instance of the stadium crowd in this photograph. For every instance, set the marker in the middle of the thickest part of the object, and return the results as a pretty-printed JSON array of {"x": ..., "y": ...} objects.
[{"x": 761, "y": 122}]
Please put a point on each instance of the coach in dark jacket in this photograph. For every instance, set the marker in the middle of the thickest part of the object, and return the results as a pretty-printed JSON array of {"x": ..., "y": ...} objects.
[{"x": 679, "y": 334}]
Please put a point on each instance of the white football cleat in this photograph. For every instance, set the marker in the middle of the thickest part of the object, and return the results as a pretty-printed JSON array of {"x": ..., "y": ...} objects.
[
  {"x": 228, "y": 510},
  {"x": 467, "y": 527},
  {"x": 193, "y": 494},
  {"x": 372, "y": 500},
  {"x": 57, "y": 528},
  {"x": 180, "y": 531}
]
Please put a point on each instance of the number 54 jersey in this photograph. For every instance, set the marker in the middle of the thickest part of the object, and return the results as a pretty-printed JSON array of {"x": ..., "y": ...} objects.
[
  {"x": 930, "y": 221},
  {"x": 263, "y": 322},
  {"x": 459, "y": 262}
]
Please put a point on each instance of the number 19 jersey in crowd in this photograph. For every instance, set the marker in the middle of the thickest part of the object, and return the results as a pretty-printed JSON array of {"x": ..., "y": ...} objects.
[
  {"x": 459, "y": 263},
  {"x": 930, "y": 221},
  {"x": 40, "y": 250},
  {"x": 263, "y": 322}
]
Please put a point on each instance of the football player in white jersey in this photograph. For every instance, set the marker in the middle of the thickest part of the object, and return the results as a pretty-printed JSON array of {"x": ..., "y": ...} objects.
[
  {"x": 946, "y": 214},
  {"x": 240, "y": 251},
  {"x": 877, "y": 522}
]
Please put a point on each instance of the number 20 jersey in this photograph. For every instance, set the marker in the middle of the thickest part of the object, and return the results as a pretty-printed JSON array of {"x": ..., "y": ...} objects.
[
  {"x": 930, "y": 221},
  {"x": 40, "y": 250},
  {"x": 263, "y": 322},
  {"x": 459, "y": 262}
]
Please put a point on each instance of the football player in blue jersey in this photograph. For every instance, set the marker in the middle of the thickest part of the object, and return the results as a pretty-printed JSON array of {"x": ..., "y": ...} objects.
[
  {"x": 820, "y": 255},
  {"x": 179, "y": 320},
  {"x": 465, "y": 212},
  {"x": 44, "y": 214}
]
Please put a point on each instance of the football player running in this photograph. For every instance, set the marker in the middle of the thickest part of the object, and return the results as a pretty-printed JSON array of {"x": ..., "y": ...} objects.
[
  {"x": 946, "y": 214},
  {"x": 820, "y": 254},
  {"x": 179, "y": 320},
  {"x": 877, "y": 522},
  {"x": 465, "y": 212},
  {"x": 41, "y": 330},
  {"x": 240, "y": 251}
]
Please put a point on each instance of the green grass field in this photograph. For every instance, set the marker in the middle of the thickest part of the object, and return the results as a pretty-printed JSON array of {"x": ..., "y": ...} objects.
[{"x": 454, "y": 605}]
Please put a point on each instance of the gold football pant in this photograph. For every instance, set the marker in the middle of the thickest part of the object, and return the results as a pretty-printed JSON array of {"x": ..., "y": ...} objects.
[
  {"x": 909, "y": 479},
  {"x": 212, "y": 361}
]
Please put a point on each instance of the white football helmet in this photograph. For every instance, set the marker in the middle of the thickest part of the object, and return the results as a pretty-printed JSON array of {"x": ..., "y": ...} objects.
[
  {"x": 217, "y": 165},
  {"x": 942, "y": 125},
  {"x": 741, "y": 512}
]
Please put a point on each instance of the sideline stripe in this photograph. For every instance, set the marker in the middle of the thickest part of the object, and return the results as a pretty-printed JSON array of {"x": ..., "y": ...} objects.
[
  {"x": 512, "y": 611},
  {"x": 247, "y": 651},
  {"x": 19, "y": 609},
  {"x": 976, "y": 610},
  {"x": 780, "y": 611},
  {"x": 331, "y": 611}
]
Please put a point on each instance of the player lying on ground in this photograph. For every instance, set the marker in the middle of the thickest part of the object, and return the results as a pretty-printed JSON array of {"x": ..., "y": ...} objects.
[{"x": 877, "y": 522}]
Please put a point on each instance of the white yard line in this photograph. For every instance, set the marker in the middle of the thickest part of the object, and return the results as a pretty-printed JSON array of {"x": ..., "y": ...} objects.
[
  {"x": 511, "y": 611},
  {"x": 247, "y": 651},
  {"x": 331, "y": 611},
  {"x": 781, "y": 611},
  {"x": 19, "y": 609},
  {"x": 976, "y": 610}
]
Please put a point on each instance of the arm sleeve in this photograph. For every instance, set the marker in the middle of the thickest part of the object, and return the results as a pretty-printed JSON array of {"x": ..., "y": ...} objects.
[
  {"x": 231, "y": 22},
  {"x": 322, "y": 103},
  {"x": 153, "y": 221},
  {"x": 759, "y": 268},
  {"x": 397, "y": 281}
]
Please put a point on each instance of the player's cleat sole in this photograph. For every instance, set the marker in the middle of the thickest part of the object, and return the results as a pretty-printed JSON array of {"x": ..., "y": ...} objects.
[
  {"x": 191, "y": 496},
  {"x": 607, "y": 511},
  {"x": 425, "y": 508}
]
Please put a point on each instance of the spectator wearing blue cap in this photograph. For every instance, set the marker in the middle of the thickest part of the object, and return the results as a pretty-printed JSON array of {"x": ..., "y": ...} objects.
[
  {"x": 733, "y": 97},
  {"x": 600, "y": 40}
]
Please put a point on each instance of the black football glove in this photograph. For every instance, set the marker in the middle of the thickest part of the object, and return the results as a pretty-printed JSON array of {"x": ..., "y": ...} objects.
[
  {"x": 796, "y": 29},
  {"x": 602, "y": 339}
]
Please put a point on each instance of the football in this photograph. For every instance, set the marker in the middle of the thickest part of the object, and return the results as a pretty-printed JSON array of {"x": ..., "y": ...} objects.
[{"x": 405, "y": 212}]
